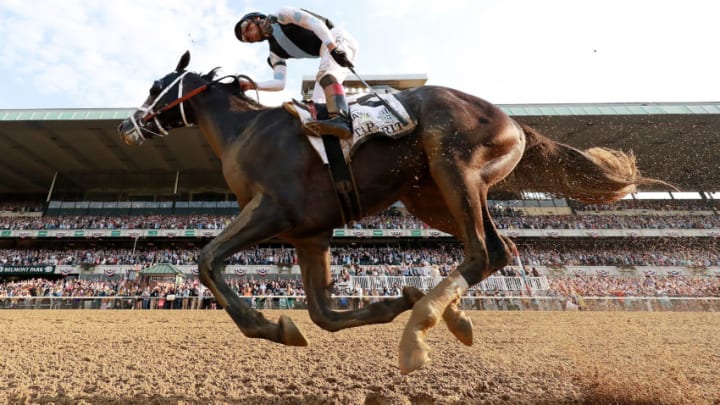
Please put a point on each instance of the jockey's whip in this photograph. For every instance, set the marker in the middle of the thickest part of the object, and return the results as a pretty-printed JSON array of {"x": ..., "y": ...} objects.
[{"x": 397, "y": 115}]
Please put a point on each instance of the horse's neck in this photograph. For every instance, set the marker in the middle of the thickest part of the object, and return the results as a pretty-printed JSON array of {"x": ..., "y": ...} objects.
[{"x": 221, "y": 123}]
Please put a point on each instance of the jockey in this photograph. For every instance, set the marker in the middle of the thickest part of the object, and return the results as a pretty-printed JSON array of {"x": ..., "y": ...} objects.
[{"x": 296, "y": 33}]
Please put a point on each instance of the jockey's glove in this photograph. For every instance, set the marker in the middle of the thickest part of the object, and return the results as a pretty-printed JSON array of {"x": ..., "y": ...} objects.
[{"x": 341, "y": 58}]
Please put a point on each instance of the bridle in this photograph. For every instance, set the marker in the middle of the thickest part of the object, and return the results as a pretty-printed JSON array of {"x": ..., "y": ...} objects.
[{"x": 152, "y": 115}]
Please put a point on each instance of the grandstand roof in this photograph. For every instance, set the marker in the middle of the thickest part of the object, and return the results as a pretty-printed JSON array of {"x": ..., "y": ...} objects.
[{"x": 677, "y": 142}]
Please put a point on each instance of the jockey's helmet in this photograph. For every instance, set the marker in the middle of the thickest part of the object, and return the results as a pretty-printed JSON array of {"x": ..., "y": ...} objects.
[{"x": 248, "y": 18}]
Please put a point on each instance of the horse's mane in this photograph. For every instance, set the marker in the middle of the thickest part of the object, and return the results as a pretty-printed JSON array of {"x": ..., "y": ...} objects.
[{"x": 232, "y": 87}]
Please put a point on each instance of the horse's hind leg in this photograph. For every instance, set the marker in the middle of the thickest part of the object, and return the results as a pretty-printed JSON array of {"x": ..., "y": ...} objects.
[
  {"x": 428, "y": 204},
  {"x": 258, "y": 220},
  {"x": 314, "y": 260},
  {"x": 466, "y": 207},
  {"x": 463, "y": 174}
]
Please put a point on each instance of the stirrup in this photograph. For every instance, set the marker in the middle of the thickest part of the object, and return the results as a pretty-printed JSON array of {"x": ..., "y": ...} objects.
[{"x": 337, "y": 126}]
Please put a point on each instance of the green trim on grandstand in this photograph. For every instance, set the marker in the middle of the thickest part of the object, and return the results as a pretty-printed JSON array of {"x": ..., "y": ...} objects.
[
  {"x": 86, "y": 114},
  {"x": 161, "y": 269},
  {"x": 613, "y": 109}
]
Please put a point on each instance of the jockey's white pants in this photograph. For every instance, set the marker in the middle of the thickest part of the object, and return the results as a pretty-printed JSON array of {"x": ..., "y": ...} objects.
[{"x": 328, "y": 66}]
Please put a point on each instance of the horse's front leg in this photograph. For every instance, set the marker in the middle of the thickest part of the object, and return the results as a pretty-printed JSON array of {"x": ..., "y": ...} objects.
[
  {"x": 314, "y": 260},
  {"x": 259, "y": 219}
]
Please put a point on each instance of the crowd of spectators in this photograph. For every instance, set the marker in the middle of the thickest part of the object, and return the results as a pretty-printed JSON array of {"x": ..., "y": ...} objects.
[
  {"x": 370, "y": 259},
  {"x": 631, "y": 252},
  {"x": 188, "y": 294},
  {"x": 142, "y": 256},
  {"x": 646, "y": 204},
  {"x": 498, "y": 207},
  {"x": 20, "y": 207},
  {"x": 656, "y": 252},
  {"x": 181, "y": 222},
  {"x": 270, "y": 293},
  {"x": 647, "y": 286},
  {"x": 72, "y": 222},
  {"x": 591, "y": 222}
]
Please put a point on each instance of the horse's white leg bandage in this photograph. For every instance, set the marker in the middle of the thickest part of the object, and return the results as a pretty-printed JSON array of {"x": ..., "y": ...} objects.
[{"x": 426, "y": 314}]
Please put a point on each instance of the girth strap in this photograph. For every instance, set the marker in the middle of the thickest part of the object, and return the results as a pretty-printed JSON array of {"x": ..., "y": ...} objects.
[{"x": 341, "y": 175}]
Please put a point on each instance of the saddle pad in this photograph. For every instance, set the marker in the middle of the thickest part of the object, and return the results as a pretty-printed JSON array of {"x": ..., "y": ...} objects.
[{"x": 370, "y": 117}]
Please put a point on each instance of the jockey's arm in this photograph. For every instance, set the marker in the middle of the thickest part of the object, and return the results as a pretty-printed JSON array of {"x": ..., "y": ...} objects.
[
  {"x": 279, "y": 67},
  {"x": 289, "y": 15}
]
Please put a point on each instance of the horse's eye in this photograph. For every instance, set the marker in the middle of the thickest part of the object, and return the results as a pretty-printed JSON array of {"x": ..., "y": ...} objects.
[{"x": 155, "y": 89}]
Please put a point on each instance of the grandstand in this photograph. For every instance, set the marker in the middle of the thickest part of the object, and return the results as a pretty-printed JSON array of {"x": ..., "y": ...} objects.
[{"x": 76, "y": 203}]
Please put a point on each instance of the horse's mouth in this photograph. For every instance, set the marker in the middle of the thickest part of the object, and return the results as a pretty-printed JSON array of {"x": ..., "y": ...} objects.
[{"x": 130, "y": 135}]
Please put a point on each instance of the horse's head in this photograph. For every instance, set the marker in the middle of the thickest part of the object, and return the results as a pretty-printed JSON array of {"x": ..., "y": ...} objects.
[{"x": 163, "y": 109}]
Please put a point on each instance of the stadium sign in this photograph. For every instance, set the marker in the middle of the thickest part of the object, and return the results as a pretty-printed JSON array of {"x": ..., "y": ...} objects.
[{"x": 24, "y": 270}]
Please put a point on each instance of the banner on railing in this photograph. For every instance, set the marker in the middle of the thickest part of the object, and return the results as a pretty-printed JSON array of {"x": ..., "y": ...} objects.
[{"x": 27, "y": 270}]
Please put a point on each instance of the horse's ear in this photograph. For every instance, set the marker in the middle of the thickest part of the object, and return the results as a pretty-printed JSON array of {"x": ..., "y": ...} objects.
[{"x": 184, "y": 62}]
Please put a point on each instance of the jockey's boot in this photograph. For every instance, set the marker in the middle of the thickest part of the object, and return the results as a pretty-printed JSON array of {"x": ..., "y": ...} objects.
[
  {"x": 339, "y": 122},
  {"x": 337, "y": 125}
]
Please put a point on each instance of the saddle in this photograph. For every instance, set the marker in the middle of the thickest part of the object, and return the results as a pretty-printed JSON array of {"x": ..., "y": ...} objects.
[{"x": 369, "y": 119}]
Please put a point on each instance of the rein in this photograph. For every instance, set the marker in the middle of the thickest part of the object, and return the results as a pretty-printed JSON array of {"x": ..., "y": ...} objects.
[{"x": 175, "y": 102}]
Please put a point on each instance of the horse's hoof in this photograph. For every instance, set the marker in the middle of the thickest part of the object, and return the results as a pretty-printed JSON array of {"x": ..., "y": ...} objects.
[
  {"x": 413, "y": 358},
  {"x": 290, "y": 333},
  {"x": 412, "y": 294},
  {"x": 459, "y": 324}
]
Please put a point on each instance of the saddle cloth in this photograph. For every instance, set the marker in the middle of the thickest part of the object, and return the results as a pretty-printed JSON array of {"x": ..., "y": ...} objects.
[{"x": 370, "y": 118}]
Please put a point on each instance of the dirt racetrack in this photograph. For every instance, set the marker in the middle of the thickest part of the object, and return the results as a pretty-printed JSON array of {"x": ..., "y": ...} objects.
[{"x": 188, "y": 357}]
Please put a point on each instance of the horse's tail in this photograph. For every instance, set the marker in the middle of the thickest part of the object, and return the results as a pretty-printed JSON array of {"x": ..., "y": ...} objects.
[{"x": 596, "y": 175}]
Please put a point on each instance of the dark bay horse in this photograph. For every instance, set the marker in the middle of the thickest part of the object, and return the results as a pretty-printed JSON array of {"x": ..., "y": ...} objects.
[{"x": 442, "y": 171}]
